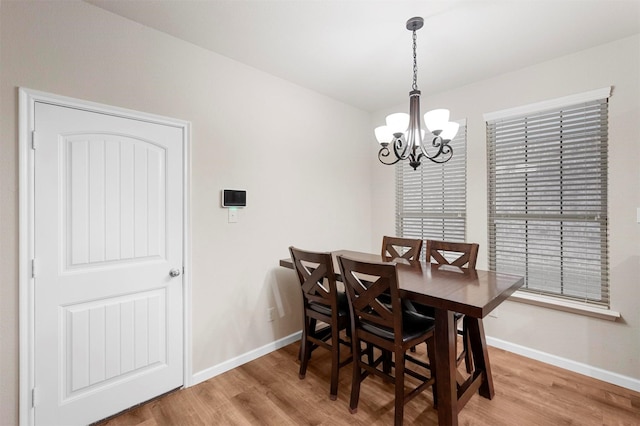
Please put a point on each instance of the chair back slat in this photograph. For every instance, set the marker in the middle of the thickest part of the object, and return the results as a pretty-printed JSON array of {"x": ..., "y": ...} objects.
[
  {"x": 313, "y": 287},
  {"x": 367, "y": 303},
  {"x": 465, "y": 254},
  {"x": 393, "y": 248}
]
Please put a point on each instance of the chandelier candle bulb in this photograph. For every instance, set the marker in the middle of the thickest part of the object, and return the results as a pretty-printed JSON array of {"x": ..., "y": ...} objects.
[
  {"x": 404, "y": 134},
  {"x": 449, "y": 130},
  {"x": 397, "y": 122},
  {"x": 436, "y": 119},
  {"x": 383, "y": 135}
]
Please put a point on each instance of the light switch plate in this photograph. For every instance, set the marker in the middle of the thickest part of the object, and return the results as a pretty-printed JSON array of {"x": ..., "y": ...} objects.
[
  {"x": 638, "y": 214},
  {"x": 233, "y": 215}
]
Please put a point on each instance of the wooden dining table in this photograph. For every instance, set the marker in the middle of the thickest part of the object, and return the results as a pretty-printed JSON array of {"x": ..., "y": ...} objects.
[{"x": 448, "y": 290}]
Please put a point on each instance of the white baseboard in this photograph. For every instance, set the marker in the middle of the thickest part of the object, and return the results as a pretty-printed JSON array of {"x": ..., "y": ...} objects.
[
  {"x": 207, "y": 374},
  {"x": 567, "y": 364}
]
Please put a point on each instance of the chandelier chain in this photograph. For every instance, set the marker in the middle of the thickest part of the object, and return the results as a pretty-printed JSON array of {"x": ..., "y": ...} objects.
[{"x": 415, "y": 63}]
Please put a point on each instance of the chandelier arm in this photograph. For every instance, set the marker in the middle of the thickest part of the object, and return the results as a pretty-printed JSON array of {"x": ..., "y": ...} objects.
[
  {"x": 398, "y": 143},
  {"x": 444, "y": 153},
  {"x": 384, "y": 153}
]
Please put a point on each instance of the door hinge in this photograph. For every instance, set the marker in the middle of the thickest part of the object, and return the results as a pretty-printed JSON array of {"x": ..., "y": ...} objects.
[
  {"x": 33, "y": 397},
  {"x": 33, "y": 268},
  {"x": 33, "y": 140}
]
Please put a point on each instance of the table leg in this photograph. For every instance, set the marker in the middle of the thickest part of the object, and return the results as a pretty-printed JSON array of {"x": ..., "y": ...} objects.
[
  {"x": 446, "y": 386},
  {"x": 480, "y": 355}
]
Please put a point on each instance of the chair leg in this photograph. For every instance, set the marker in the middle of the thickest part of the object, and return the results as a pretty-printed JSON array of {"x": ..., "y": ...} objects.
[
  {"x": 356, "y": 376},
  {"x": 431, "y": 353},
  {"x": 386, "y": 361},
  {"x": 399, "y": 387},
  {"x": 335, "y": 361},
  {"x": 370, "y": 353},
  {"x": 305, "y": 347}
]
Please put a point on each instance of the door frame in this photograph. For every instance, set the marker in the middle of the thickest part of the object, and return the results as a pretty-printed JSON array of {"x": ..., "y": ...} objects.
[{"x": 27, "y": 101}]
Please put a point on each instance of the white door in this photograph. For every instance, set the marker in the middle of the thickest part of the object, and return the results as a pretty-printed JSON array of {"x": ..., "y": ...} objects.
[{"x": 108, "y": 232}]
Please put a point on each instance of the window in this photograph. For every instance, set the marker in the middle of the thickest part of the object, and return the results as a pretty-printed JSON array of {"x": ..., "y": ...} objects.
[
  {"x": 431, "y": 201},
  {"x": 548, "y": 196}
]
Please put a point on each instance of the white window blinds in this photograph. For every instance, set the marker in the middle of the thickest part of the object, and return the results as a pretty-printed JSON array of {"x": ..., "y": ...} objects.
[
  {"x": 548, "y": 200},
  {"x": 431, "y": 201}
]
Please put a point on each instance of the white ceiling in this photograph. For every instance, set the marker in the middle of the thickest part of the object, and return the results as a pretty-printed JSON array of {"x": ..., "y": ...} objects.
[{"x": 359, "y": 51}]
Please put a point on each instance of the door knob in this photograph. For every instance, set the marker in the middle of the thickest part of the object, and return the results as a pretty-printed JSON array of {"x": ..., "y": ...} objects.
[{"x": 174, "y": 272}]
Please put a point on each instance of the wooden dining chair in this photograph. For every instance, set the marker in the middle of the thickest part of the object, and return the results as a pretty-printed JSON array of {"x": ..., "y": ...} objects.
[
  {"x": 462, "y": 255},
  {"x": 400, "y": 248},
  {"x": 389, "y": 327},
  {"x": 322, "y": 301}
]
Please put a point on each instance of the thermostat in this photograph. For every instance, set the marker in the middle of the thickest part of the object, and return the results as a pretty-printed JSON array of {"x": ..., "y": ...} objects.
[{"x": 234, "y": 198}]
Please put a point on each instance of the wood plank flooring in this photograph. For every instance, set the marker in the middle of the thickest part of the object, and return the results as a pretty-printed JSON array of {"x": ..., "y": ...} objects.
[{"x": 267, "y": 391}]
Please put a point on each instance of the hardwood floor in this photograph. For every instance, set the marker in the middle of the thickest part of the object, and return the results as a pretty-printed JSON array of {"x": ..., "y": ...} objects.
[{"x": 267, "y": 391}]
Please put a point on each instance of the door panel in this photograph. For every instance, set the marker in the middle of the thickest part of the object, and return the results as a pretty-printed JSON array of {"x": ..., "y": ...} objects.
[
  {"x": 115, "y": 206},
  {"x": 110, "y": 340},
  {"x": 108, "y": 229}
]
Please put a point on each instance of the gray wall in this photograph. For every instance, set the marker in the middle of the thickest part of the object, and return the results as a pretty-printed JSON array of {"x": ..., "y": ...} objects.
[
  {"x": 303, "y": 159},
  {"x": 308, "y": 184}
]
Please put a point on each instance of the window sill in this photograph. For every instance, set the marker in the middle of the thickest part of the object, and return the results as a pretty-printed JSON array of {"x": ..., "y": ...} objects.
[{"x": 565, "y": 306}]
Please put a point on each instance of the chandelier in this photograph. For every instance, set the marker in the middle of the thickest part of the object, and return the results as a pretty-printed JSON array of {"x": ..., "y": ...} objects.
[{"x": 404, "y": 131}]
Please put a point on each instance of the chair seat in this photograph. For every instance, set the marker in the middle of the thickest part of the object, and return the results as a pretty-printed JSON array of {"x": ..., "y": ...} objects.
[
  {"x": 343, "y": 306},
  {"x": 413, "y": 325}
]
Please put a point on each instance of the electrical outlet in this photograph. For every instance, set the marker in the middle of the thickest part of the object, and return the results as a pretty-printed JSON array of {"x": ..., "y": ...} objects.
[{"x": 271, "y": 314}]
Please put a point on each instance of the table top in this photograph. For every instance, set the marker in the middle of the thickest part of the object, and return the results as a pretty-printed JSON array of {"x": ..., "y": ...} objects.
[{"x": 470, "y": 292}]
